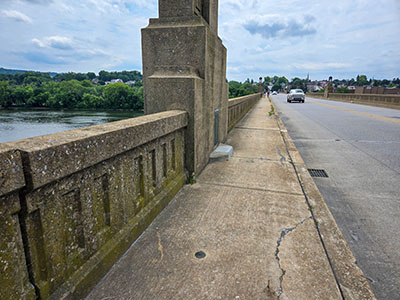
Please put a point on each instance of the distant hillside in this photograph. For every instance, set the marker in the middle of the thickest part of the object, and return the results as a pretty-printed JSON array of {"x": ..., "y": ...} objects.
[{"x": 4, "y": 71}]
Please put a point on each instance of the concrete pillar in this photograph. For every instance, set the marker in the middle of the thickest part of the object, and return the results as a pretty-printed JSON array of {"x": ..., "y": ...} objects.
[
  {"x": 184, "y": 67},
  {"x": 260, "y": 86},
  {"x": 328, "y": 88}
]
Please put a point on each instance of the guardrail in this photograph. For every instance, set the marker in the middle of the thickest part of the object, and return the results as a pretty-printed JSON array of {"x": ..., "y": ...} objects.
[
  {"x": 238, "y": 107},
  {"x": 72, "y": 203},
  {"x": 389, "y": 101}
]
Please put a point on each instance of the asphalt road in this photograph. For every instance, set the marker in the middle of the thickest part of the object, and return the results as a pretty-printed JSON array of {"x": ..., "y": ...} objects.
[{"x": 359, "y": 148}]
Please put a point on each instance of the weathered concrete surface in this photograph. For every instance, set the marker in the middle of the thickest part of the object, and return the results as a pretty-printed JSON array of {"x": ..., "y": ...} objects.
[
  {"x": 14, "y": 279},
  {"x": 251, "y": 219},
  {"x": 89, "y": 193},
  {"x": 184, "y": 67},
  {"x": 239, "y": 107},
  {"x": 47, "y": 155},
  {"x": 11, "y": 172}
]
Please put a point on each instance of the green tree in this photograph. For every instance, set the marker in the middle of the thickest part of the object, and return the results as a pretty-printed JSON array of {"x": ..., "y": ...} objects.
[
  {"x": 237, "y": 89},
  {"x": 68, "y": 94},
  {"x": 39, "y": 100},
  {"x": 139, "y": 105},
  {"x": 5, "y": 94},
  {"x": 104, "y": 76},
  {"x": 70, "y": 90},
  {"x": 21, "y": 94},
  {"x": 247, "y": 89},
  {"x": 91, "y": 101},
  {"x": 32, "y": 79},
  {"x": 234, "y": 87},
  {"x": 267, "y": 80},
  {"x": 116, "y": 95},
  {"x": 385, "y": 82},
  {"x": 361, "y": 80},
  {"x": 276, "y": 87},
  {"x": 282, "y": 80},
  {"x": 91, "y": 75},
  {"x": 298, "y": 83},
  {"x": 86, "y": 83},
  {"x": 342, "y": 90}
]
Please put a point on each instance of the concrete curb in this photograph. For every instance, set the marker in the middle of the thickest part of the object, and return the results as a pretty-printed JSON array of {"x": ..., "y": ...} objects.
[{"x": 350, "y": 279}]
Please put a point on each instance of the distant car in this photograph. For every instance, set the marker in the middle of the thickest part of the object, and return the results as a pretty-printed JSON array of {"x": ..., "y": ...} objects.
[
  {"x": 274, "y": 93},
  {"x": 296, "y": 95}
]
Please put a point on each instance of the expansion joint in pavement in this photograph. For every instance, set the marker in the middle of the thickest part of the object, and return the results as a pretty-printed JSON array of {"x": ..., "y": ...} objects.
[
  {"x": 255, "y": 158},
  {"x": 284, "y": 232},
  {"x": 256, "y": 128},
  {"x": 248, "y": 188}
]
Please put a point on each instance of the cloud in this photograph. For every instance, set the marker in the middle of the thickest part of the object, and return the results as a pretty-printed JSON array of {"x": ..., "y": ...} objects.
[
  {"x": 233, "y": 69},
  {"x": 65, "y": 8},
  {"x": 286, "y": 28},
  {"x": 16, "y": 15},
  {"x": 42, "y": 58},
  {"x": 38, "y": 1},
  {"x": 320, "y": 66},
  {"x": 38, "y": 43},
  {"x": 61, "y": 50},
  {"x": 57, "y": 42},
  {"x": 91, "y": 35}
]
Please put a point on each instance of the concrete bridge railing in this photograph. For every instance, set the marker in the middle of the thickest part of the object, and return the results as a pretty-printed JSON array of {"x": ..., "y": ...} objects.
[
  {"x": 390, "y": 101},
  {"x": 72, "y": 203},
  {"x": 238, "y": 107}
]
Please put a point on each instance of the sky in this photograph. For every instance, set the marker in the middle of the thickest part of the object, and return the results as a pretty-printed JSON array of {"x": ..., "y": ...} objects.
[{"x": 291, "y": 38}]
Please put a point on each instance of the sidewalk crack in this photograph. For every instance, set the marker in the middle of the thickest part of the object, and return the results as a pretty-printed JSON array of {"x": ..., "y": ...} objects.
[
  {"x": 284, "y": 232},
  {"x": 160, "y": 249},
  {"x": 283, "y": 158}
]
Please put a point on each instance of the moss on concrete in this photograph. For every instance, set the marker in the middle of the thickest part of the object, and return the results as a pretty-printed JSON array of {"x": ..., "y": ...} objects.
[{"x": 90, "y": 194}]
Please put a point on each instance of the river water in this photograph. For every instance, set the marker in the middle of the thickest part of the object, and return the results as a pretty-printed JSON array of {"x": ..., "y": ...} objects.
[{"x": 20, "y": 124}]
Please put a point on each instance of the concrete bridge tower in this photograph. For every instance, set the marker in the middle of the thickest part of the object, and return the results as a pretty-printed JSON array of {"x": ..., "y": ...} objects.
[{"x": 184, "y": 67}]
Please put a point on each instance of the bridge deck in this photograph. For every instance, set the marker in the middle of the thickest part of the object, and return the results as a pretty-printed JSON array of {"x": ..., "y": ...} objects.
[{"x": 250, "y": 218}]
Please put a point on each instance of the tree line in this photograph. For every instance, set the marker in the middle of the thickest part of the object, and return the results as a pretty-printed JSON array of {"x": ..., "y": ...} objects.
[
  {"x": 85, "y": 90},
  {"x": 239, "y": 89},
  {"x": 72, "y": 90}
]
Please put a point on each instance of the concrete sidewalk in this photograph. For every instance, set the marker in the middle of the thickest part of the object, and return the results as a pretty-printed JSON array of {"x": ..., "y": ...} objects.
[{"x": 255, "y": 218}]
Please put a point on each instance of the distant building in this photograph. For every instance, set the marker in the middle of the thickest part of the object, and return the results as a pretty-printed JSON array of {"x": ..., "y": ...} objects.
[
  {"x": 114, "y": 81},
  {"x": 313, "y": 87},
  {"x": 95, "y": 80},
  {"x": 131, "y": 82},
  {"x": 323, "y": 83}
]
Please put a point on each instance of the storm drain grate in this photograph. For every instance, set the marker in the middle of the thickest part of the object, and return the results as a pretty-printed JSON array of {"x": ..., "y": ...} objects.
[{"x": 317, "y": 173}]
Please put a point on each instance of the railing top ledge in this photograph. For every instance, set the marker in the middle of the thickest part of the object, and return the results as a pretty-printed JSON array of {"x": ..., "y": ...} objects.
[
  {"x": 57, "y": 155},
  {"x": 11, "y": 172},
  {"x": 360, "y": 95},
  {"x": 234, "y": 101}
]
